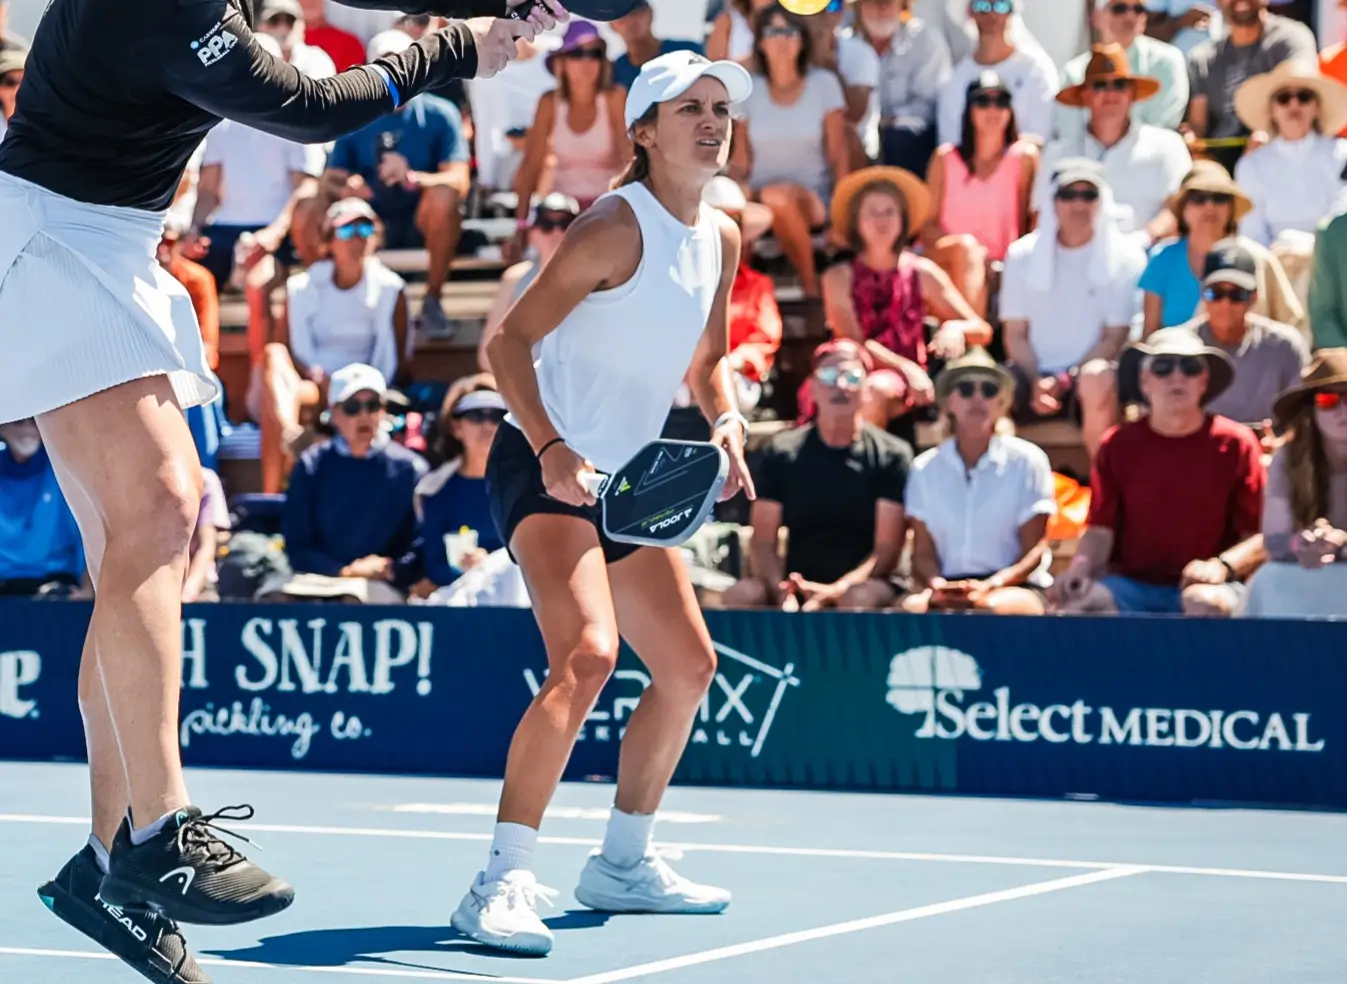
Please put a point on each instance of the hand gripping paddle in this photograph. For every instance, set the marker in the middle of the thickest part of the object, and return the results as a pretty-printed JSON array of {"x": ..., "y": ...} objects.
[
  {"x": 661, "y": 497},
  {"x": 594, "y": 10}
]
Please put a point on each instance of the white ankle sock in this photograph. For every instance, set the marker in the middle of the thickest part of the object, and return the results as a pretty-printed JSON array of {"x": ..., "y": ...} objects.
[
  {"x": 629, "y": 837},
  {"x": 511, "y": 849},
  {"x": 139, "y": 835},
  {"x": 100, "y": 853}
]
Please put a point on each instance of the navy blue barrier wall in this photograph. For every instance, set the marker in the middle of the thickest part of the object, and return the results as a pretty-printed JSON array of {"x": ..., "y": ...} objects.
[{"x": 1154, "y": 709}]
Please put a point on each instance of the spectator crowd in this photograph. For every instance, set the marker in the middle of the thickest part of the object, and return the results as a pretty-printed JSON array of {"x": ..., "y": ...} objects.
[{"x": 1001, "y": 220}]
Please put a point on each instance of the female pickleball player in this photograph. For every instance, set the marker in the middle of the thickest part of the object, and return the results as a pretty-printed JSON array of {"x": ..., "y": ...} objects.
[
  {"x": 634, "y": 300},
  {"x": 100, "y": 345}
]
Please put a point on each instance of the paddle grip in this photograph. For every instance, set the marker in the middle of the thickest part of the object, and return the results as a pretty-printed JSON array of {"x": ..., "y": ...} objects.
[{"x": 593, "y": 483}]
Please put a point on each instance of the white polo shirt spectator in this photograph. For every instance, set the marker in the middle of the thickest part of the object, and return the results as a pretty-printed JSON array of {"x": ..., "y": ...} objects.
[
  {"x": 1032, "y": 79},
  {"x": 506, "y": 104},
  {"x": 974, "y": 517},
  {"x": 258, "y": 171},
  {"x": 858, "y": 65}
]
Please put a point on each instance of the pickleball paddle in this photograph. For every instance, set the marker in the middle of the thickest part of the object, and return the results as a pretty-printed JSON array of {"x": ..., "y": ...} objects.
[
  {"x": 661, "y": 497},
  {"x": 594, "y": 10}
]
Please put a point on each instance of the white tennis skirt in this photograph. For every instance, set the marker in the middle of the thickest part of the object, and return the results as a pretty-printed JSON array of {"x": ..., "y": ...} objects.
[{"x": 85, "y": 305}]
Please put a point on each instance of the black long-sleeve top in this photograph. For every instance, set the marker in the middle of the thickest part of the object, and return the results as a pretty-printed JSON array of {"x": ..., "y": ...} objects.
[{"x": 116, "y": 96}]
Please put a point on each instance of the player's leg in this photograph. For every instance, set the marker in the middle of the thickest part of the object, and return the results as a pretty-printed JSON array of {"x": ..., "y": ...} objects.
[
  {"x": 658, "y": 614},
  {"x": 151, "y": 945},
  {"x": 129, "y": 451},
  {"x": 564, "y": 568}
]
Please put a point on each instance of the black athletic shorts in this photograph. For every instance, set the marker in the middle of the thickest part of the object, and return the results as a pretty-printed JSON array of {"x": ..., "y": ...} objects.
[{"x": 514, "y": 480}]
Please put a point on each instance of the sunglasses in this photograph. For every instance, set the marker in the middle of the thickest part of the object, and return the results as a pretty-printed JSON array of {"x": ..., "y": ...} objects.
[
  {"x": 969, "y": 388},
  {"x": 277, "y": 20},
  {"x": 993, "y": 6},
  {"x": 832, "y": 376},
  {"x": 586, "y": 54},
  {"x": 352, "y": 229},
  {"x": 987, "y": 100},
  {"x": 482, "y": 416},
  {"x": 1237, "y": 295},
  {"x": 1111, "y": 85},
  {"x": 1078, "y": 195},
  {"x": 1122, "y": 9},
  {"x": 1288, "y": 96},
  {"x": 354, "y": 407},
  {"x": 1164, "y": 365},
  {"x": 1326, "y": 400},
  {"x": 1209, "y": 198},
  {"x": 549, "y": 223},
  {"x": 784, "y": 31},
  {"x": 10, "y": 81}
]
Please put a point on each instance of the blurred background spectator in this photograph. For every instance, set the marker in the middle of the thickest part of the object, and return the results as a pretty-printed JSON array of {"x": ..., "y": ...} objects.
[
  {"x": 790, "y": 141},
  {"x": 212, "y": 526},
  {"x": 1301, "y": 113},
  {"x": 636, "y": 30},
  {"x": 731, "y": 34},
  {"x": 504, "y": 107},
  {"x": 1184, "y": 23},
  {"x": 349, "y": 308},
  {"x": 9, "y": 40},
  {"x": 41, "y": 552},
  {"x": 981, "y": 190},
  {"x": 1069, "y": 299},
  {"x": 1327, "y": 301},
  {"x": 578, "y": 142},
  {"x": 979, "y": 502},
  {"x": 1305, "y": 515},
  {"x": 412, "y": 167},
  {"x": 1124, "y": 23},
  {"x": 456, "y": 529},
  {"x": 11, "y": 75},
  {"x": 1208, "y": 208},
  {"x": 343, "y": 47},
  {"x": 882, "y": 298},
  {"x": 1176, "y": 497},
  {"x": 349, "y": 524},
  {"x": 1143, "y": 164},
  {"x": 1030, "y": 73},
  {"x": 836, "y": 485},
  {"x": 283, "y": 20}
]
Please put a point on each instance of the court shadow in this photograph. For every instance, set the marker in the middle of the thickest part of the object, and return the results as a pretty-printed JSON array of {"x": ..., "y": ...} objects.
[{"x": 371, "y": 944}]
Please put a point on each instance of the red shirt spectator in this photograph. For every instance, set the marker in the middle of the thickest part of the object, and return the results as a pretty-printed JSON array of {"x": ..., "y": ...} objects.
[
  {"x": 343, "y": 47},
  {"x": 755, "y": 323},
  {"x": 1170, "y": 499}
]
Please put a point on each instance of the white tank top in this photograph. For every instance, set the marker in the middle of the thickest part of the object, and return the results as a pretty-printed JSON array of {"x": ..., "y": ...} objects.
[{"x": 609, "y": 372}]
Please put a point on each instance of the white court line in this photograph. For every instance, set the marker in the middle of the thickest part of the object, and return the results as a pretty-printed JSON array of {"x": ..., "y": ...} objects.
[
  {"x": 799, "y": 852},
  {"x": 858, "y": 925},
  {"x": 407, "y": 974}
]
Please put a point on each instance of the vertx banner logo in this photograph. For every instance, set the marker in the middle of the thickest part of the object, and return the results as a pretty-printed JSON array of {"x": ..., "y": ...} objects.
[
  {"x": 18, "y": 670},
  {"x": 934, "y": 683},
  {"x": 737, "y": 712}
]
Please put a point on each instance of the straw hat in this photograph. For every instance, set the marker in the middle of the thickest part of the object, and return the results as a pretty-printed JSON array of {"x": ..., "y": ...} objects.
[
  {"x": 1210, "y": 177},
  {"x": 1253, "y": 99},
  {"x": 1178, "y": 341},
  {"x": 974, "y": 362},
  {"x": 910, "y": 187},
  {"x": 1329, "y": 368},
  {"x": 1108, "y": 61}
]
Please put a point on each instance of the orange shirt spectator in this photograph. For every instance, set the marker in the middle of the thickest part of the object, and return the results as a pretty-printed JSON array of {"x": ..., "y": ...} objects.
[
  {"x": 200, "y": 285},
  {"x": 1333, "y": 63}
]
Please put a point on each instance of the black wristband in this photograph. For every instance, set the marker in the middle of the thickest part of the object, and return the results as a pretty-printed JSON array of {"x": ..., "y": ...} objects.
[{"x": 543, "y": 450}]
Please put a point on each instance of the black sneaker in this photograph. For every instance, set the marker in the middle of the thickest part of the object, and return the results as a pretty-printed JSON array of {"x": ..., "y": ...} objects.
[
  {"x": 188, "y": 874},
  {"x": 152, "y": 946}
]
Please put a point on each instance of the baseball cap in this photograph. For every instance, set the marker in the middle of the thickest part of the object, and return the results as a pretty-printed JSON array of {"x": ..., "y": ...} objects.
[
  {"x": 12, "y": 59},
  {"x": 349, "y": 210},
  {"x": 390, "y": 42},
  {"x": 480, "y": 400},
  {"x": 1073, "y": 170},
  {"x": 347, "y": 381},
  {"x": 669, "y": 76},
  {"x": 1230, "y": 263},
  {"x": 556, "y": 202},
  {"x": 272, "y": 7}
]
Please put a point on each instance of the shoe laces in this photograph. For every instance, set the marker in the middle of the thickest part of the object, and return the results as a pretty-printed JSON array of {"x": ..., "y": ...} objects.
[
  {"x": 201, "y": 835},
  {"x": 658, "y": 862},
  {"x": 525, "y": 894}
]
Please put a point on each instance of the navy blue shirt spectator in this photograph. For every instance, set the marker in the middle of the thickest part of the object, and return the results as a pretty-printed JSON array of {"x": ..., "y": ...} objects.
[
  {"x": 39, "y": 541},
  {"x": 349, "y": 508},
  {"x": 624, "y": 72},
  {"x": 636, "y": 32}
]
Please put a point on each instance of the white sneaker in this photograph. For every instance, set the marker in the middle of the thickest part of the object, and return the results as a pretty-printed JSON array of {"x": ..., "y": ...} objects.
[
  {"x": 504, "y": 914},
  {"x": 650, "y": 885}
]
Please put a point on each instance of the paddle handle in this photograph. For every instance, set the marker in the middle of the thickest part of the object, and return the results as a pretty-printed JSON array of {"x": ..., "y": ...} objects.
[{"x": 593, "y": 483}]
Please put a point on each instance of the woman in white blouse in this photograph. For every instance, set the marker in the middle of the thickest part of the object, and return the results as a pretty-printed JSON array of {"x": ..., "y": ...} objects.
[
  {"x": 979, "y": 502},
  {"x": 1296, "y": 177},
  {"x": 344, "y": 309}
]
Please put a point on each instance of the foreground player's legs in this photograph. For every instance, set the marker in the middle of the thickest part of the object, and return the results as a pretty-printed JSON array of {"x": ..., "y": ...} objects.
[
  {"x": 128, "y": 451},
  {"x": 657, "y": 612},
  {"x": 568, "y": 582}
]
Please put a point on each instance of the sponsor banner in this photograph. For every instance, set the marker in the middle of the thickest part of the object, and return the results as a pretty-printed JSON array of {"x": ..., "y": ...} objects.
[{"x": 1153, "y": 709}]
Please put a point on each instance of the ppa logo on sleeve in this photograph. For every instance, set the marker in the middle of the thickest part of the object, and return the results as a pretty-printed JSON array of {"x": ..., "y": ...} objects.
[
  {"x": 214, "y": 44},
  {"x": 18, "y": 670}
]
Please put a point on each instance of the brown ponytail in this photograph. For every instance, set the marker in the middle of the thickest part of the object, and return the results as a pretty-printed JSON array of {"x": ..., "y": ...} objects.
[{"x": 639, "y": 168}]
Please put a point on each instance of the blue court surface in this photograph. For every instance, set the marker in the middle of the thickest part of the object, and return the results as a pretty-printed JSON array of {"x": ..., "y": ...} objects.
[{"x": 828, "y": 887}]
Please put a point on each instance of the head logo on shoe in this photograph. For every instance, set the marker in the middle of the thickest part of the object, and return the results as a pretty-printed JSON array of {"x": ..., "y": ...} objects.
[
  {"x": 125, "y": 921},
  {"x": 187, "y": 874}
]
